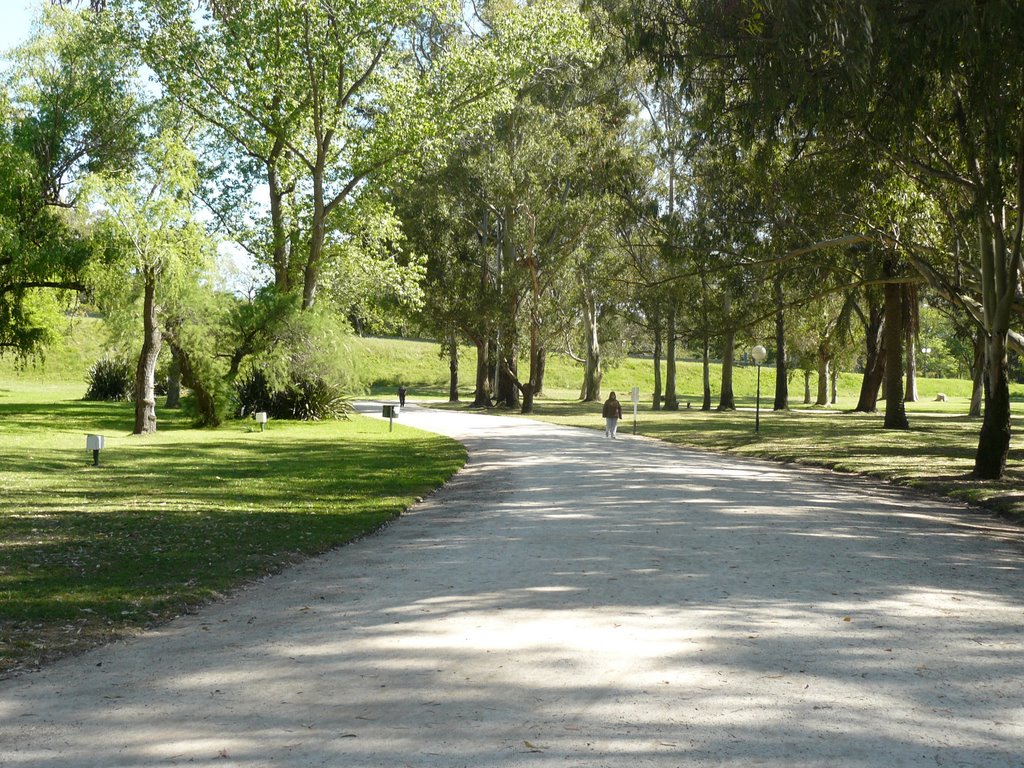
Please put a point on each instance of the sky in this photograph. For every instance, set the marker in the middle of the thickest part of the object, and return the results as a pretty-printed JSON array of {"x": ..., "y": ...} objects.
[{"x": 15, "y": 19}]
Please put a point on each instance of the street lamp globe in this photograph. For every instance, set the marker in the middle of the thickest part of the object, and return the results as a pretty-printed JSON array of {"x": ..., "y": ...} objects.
[{"x": 759, "y": 353}]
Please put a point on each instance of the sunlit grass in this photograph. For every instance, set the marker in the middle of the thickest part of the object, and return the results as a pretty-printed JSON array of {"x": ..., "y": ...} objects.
[{"x": 170, "y": 520}]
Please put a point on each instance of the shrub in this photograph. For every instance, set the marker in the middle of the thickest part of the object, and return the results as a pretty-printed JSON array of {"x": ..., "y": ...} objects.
[
  {"x": 111, "y": 378},
  {"x": 252, "y": 393},
  {"x": 304, "y": 399},
  {"x": 312, "y": 399}
]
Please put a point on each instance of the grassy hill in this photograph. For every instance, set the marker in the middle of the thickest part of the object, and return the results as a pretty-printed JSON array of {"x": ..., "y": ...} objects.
[{"x": 382, "y": 364}]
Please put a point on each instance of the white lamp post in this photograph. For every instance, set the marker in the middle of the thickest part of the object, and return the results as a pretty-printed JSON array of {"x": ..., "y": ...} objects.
[{"x": 759, "y": 353}]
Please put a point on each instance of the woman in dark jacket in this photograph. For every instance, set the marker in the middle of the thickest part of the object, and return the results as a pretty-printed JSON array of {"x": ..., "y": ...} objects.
[{"x": 612, "y": 412}]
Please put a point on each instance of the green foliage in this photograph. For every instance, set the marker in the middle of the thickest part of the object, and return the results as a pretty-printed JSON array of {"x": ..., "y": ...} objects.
[
  {"x": 311, "y": 399},
  {"x": 111, "y": 378},
  {"x": 252, "y": 393},
  {"x": 67, "y": 108},
  {"x": 305, "y": 399}
]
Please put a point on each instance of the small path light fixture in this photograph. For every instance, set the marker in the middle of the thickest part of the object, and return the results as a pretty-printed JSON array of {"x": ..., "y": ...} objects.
[
  {"x": 759, "y": 353},
  {"x": 94, "y": 443}
]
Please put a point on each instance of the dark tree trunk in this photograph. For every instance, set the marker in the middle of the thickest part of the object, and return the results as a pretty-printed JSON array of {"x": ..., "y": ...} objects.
[
  {"x": 453, "y": 369},
  {"x": 527, "y": 404},
  {"x": 895, "y": 410},
  {"x": 727, "y": 400},
  {"x": 781, "y": 374},
  {"x": 656, "y": 404},
  {"x": 317, "y": 236},
  {"x": 874, "y": 362},
  {"x": 807, "y": 386},
  {"x": 822, "y": 376},
  {"x": 978, "y": 373},
  {"x": 994, "y": 441},
  {"x": 591, "y": 389},
  {"x": 909, "y": 316},
  {"x": 706, "y": 374},
  {"x": 671, "y": 398},
  {"x": 282, "y": 276},
  {"x": 530, "y": 389},
  {"x": 507, "y": 392},
  {"x": 173, "y": 382},
  {"x": 482, "y": 390},
  {"x": 207, "y": 414},
  {"x": 145, "y": 372},
  {"x": 834, "y": 377},
  {"x": 542, "y": 365}
]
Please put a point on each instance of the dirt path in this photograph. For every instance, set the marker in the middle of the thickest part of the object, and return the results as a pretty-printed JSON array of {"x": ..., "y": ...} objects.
[{"x": 573, "y": 601}]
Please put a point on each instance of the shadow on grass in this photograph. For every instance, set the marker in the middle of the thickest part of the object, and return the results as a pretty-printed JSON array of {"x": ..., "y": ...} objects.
[
  {"x": 87, "y": 416},
  {"x": 164, "y": 523}
]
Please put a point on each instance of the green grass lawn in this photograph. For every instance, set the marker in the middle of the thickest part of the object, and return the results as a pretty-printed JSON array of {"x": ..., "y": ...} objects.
[{"x": 170, "y": 520}]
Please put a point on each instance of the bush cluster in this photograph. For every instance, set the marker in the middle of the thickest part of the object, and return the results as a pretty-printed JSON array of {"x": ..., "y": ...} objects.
[
  {"x": 302, "y": 398},
  {"x": 111, "y": 378}
]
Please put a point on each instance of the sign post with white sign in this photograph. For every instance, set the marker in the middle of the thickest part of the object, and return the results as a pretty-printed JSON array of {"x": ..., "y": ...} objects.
[{"x": 636, "y": 402}]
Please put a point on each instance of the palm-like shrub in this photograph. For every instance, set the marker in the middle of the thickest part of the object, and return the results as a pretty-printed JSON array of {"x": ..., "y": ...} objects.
[
  {"x": 305, "y": 399},
  {"x": 111, "y": 378},
  {"x": 253, "y": 393},
  {"x": 312, "y": 399}
]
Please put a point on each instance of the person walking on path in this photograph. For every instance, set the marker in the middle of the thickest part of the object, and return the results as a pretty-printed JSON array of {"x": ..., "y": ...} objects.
[
  {"x": 612, "y": 412},
  {"x": 401, "y": 395}
]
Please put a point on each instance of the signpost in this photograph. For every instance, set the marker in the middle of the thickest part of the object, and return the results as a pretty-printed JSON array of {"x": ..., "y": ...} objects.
[{"x": 636, "y": 402}]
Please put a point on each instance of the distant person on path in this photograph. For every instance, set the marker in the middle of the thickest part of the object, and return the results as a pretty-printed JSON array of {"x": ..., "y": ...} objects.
[
  {"x": 401, "y": 395},
  {"x": 612, "y": 412}
]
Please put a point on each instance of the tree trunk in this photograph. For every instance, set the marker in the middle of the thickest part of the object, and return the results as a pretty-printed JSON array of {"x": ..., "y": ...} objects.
[
  {"x": 822, "y": 376},
  {"x": 781, "y": 374},
  {"x": 591, "y": 391},
  {"x": 909, "y": 298},
  {"x": 727, "y": 400},
  {"x": 527, "y": 404},
  {"x": 207, "y": 414},
  {"x": 529, "y": 390},
  {"x": 994, "y": 440},
  {"x": 978, "y": 373},
  {"x": 508, "y": 372},
  {"x": 542, "y": 366},
  {"x": 145, "y": 372},
  {"x": 874, "y": 362},
  {"x": 706, "y": 374},
  {"x": 671, "y": 398},
  {"x": 482, "y": 390},
  {"x": 318, "y": 229},
  {"x": 282, "y": 278},
  {"x": 834, "y": 377},
  {"x": 895, "y": 411},
  {"x": 656, "y": 405},
  {"x": 453, "y": 369},
  {"x": 173, "y": 382},
  {"x": 807, "y": 386}
]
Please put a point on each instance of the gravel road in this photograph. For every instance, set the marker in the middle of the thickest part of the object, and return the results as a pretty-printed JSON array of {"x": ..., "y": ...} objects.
[{"x": 569, "y": 600}]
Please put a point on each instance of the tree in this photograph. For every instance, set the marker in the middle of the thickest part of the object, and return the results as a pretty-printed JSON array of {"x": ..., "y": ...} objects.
[
  {"x": 932, "y": 87},
  {"x": 151, "y": 239},
  {"x": 68, "y": 109}
]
